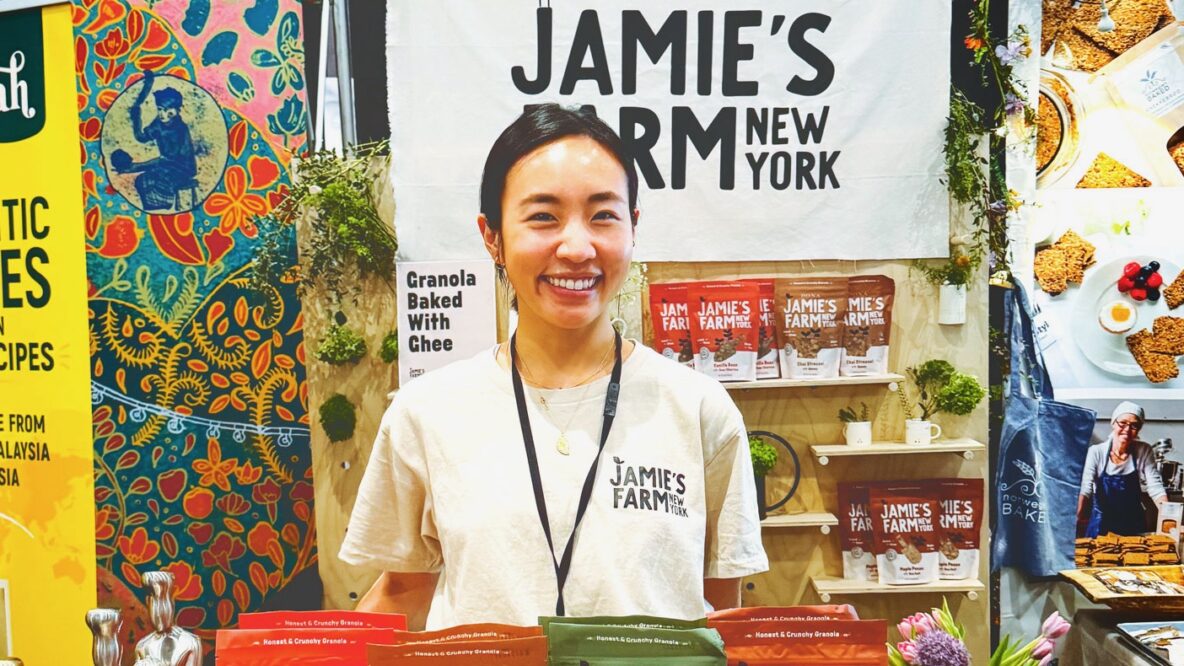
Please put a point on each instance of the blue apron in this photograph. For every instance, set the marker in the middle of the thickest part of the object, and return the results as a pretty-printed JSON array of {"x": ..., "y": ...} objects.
[
  {"x": 1042, "y": 448},
  {"x": 1118, "y": 505}
]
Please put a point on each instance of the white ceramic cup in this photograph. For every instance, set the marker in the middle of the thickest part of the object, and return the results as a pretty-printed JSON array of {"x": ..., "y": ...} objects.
[
  {"x": 858, "y": 433},
  {"x": 920, "y": 432}
]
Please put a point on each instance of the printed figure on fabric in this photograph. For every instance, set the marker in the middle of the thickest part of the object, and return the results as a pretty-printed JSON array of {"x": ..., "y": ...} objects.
[{"x": 164, "y": 178}]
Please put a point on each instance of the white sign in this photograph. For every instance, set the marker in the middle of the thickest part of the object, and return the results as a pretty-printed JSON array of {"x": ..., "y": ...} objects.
[
  {"x": 446, "y": 313},
  {"x": 787, "y": 129}
]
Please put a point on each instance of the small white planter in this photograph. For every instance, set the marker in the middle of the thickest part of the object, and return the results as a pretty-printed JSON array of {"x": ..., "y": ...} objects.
[
  {"x": 858, "y": 433},
  {"x": 951, "y": 304}
]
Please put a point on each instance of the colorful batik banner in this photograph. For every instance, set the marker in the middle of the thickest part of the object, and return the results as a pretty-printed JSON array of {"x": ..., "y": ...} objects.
[{"x": 190, "y": 114}]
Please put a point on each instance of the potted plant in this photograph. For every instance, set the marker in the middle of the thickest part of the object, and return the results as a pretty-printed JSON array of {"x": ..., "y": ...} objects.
[
  {"x": 764, "y": 458},
  {"x": 951, "y": 279},
  {"x": 940, "y": 388},
  {"x": 857, "y": 426}
]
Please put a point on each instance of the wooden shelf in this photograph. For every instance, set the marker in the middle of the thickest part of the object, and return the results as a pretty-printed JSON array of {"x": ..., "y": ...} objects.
[
  {"x": 826, "y": 586},
  {"x": 814, "y": 383},
  {"x": 820, "y": 519},
  {"x": 967, "y": 448}
]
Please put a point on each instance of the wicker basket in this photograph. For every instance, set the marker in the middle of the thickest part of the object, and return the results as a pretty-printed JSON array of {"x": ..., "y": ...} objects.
[{"x": 1118, "y": 587}]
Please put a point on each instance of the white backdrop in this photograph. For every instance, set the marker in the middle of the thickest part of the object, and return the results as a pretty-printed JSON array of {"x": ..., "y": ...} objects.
[{"x": 452, "y": 93}]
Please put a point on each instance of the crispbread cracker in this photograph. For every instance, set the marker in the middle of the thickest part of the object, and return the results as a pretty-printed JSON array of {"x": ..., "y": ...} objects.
[
  {"x": 1108, "y": 172},
  {"x": 1063, "y": 262},
  {"x": 1158, "y": 367},
  {"x": 1134, "y": 21},
  {"x": 1167, "y": 335},
  {"x": 1075, "y": 25},
  {"x": 1051, "y": 267},
  {"x": 1174, "y": 294}
]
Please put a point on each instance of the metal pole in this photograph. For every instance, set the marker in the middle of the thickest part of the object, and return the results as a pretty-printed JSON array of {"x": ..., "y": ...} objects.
[
  {"x": 345, "y": 83},
  {"x": 322, "y": 78}
]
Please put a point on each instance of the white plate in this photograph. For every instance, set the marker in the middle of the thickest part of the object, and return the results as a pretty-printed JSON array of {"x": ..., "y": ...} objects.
[{"x": 1104, "y": 349}]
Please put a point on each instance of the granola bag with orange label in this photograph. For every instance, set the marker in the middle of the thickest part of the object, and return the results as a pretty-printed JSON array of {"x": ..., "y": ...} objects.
[
  {"x": 802, "y": 643},
  {"x": 466, "y": 632},
  {"x": 868, "y": 326},
  {"x": 530, "y": 651}
]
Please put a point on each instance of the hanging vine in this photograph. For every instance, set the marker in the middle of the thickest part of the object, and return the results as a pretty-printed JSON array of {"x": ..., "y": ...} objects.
[{"x": 973, "y": 179}]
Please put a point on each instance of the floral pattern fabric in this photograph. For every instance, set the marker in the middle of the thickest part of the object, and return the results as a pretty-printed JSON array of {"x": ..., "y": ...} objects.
[{"x": 200, "y": 402}]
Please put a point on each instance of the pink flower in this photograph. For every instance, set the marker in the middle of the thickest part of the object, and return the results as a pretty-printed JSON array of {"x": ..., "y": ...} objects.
[
  {"x": 908, "y": 650},
  {"x": 906, "y": 629},
  {"x": 1043, "y": 649},
  {"x": 923, "y": 622},
  {"x": 1054, "y": 626}
]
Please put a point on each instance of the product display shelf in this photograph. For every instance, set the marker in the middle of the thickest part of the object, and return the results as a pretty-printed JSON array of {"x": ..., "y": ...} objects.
[
  {"x": 828, "y": 586},
  {"x": 820, "y": 519},
  {"x": 814, "y": 383},
  {"x": 965, "y": 447}
]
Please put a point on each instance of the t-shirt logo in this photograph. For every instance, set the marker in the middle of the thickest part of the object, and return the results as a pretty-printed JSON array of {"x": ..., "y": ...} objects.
[{"x": 648, "y": 489}]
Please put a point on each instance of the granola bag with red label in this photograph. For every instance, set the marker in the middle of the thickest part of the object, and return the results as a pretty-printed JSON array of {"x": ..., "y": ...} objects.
[
  {"x": 810, "y": 316},
  {"x": 768, "y": 356},
  {"x": 906, "y": 524},
  {"x": 324, "y": 619},
  {"x": 868, "y": 325},
  {"x": 283, "y": 647},
  {"x": 530, "y": 651},
  {"x": 801, "y": 643},
  {"x": 670, "y": 313},
  {"x": 725, "y": 328},
  {"x": 961, "y": 520},
  {"x": 855, "y": 532}
]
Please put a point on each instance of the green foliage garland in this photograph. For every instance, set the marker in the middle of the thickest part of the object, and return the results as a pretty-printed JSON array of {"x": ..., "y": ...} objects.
[
  {"x": 389, "y": 351},
  {"x": 974, "y": 180},
  {"x": 347, "y": 242},
  {"x": 342, "y": 346}
]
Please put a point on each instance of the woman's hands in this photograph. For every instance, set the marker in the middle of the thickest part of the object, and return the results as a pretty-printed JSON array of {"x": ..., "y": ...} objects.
[{"x": 406, "y": 593}]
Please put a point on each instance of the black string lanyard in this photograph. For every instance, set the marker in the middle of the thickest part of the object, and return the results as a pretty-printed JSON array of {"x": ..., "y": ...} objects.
[{"x": 563, "y": 566}]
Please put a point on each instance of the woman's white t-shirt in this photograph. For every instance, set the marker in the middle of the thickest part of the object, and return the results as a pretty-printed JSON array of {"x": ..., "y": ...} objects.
[{"x": 448, "y": 489}]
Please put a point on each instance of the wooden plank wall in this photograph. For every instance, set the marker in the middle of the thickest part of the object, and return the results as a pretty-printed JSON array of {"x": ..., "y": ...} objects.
[
  {"x": 810, "y": 416},
  {"x": 803, "y": 416}
]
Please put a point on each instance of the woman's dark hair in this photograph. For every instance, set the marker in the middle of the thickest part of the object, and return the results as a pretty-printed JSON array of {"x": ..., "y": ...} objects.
[{"x": 538, "y": 126}]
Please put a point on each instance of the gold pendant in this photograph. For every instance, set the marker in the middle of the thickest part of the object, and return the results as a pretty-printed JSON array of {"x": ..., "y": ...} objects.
[{"x": 561, "y": 445}]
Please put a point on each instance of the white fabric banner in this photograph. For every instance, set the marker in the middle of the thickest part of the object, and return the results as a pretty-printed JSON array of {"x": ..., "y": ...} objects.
[{"x": 795, "y": 129}]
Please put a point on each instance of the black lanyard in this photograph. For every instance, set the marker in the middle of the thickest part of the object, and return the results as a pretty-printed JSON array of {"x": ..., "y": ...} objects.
[{"x": 563, "y": 567}]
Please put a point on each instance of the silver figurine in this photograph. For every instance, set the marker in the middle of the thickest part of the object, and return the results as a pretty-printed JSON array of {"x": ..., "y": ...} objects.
[
  {"x": 170, "y": 644},
  {"x": 104, "y": 623}
]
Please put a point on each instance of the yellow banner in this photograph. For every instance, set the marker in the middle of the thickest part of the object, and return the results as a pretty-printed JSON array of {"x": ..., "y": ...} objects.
[{"x": 47, "y": 523}]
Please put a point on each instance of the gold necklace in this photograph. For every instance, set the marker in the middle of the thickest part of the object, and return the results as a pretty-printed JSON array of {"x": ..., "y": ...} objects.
[{"x": 561, "y": 444}]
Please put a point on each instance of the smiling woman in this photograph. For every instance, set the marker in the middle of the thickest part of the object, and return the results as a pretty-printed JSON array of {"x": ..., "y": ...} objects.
[{"x": 485, "y": 472}]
